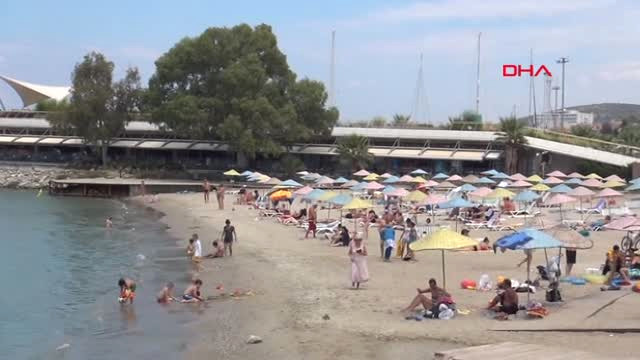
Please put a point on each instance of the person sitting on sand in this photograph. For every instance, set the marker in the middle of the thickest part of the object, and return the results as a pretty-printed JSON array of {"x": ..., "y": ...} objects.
[
  {"x": 614, "y": 264},
  {"x": 484, "y": 245},
  {"x": 438, "y": 296},
  {"x": 506, "y": 302},
  {"x": 192, "y": 293},
  {"x": 218, "y": 250},
  {"x": 341, "y": 237},
  {"x": 165, "y": 295},
  {"x": 127, "y": 290}
]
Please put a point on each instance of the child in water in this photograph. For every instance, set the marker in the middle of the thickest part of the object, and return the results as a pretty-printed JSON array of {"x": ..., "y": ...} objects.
[
  {"x": 127, "y": 290},
  {"x": 192, "y": 293},
  {"x": 166, "y": 295}
]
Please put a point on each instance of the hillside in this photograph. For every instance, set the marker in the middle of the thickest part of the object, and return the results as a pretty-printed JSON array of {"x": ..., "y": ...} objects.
[{"x": 609, "y": 111}]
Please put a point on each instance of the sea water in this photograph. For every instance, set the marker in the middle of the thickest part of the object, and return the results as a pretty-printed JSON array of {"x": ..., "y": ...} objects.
[{"x": 59, "y": 269}]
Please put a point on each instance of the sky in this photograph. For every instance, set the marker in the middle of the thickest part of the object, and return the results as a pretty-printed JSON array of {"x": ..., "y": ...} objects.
[{"x": 378, "y": 47}]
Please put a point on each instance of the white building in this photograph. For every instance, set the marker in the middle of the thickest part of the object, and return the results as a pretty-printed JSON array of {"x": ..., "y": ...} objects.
[{"x": 571, "y": 118}]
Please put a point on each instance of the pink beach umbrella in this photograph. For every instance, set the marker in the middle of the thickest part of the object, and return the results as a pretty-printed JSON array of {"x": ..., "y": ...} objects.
[
  {"x": 518, "y": 177},
  {"x": 520, "y": 184},
  {"x": 455, "y": 178},
  {"x": 552, "y": 180},
  {"x": 560, "y": 199},
  {"x": 428, "y": 184},
  {"x": 592, "y": 183},
  {"x": 608, "y": 193},
  {"x": 362, "y": 172},
  {"x": 481, "y": 192},
  {"x": 581, "y": 193},
  {"x": 303, "y": 191},
  {"x": 399, "y": 192},
  {"x": 386, "y": 175},
  {"x": 374, "y": 186},
  {"x": 623, "y": 223},
  {"x": 556, "y": 173},
  {"x": 406, "y": 179},
  {"x": 575, "y": 175},
  {"x": 615, "y": 178}
]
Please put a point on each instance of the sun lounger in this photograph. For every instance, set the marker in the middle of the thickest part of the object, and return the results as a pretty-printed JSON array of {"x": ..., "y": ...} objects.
[
  {"x": 594, "y": 210},
  {"x": 620, "y": 211},
  {"x": 527, "y": 212},
  {"x": 498, "y": 226}
]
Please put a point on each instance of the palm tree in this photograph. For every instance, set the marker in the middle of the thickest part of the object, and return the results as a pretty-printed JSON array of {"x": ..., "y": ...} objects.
[
  {"x": 354, "y": 151},
  {"x": 401, "y": 120},
  {"x": 512, "y": 136}
]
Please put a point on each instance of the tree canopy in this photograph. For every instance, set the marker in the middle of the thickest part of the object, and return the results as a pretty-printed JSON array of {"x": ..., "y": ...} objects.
[
  {"x": 353, "y": 152},
  {"x": 98, "y": 109},
  {"x": 468, "y": 120},
  {"x": 234, "y": 84},
  {"x": 401, "y": 120},
  {"x": 512, "y": 135}
]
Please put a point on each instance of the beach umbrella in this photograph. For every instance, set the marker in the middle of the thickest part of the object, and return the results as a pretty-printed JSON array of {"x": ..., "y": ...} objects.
[
  {"x": 406, "y": 179},
  {"x": 429, "y": 183},
  {"x": 371, "y": 177},
  {"x": 419, "y": 180},
  {"x": 314, "y": 195},
  {"x": 232, "y": 172},
  {"x": 302, "y": 173},
  {"x": 434, "y": 199},
  {"x": 272, "y": 181},
  {"x": 386, "y": 175},
  {"x": 562, "y": 188},
  {"x": 485, "y": 180},
  {"x": 399, "y": 192},
  {"x": 614, "y": 178},
  {"x": 592, "y": 183},
  {"x": 501, "y": 176},
  {"x": 246, "y": 173},
  {"x": 374, "y": 186},
  {"x": 518, "y": 176},
  {"x": 556, "y": 173},
  {"x": 457, "y": 202},
  {"x": 416, "y": 196},
  {"x": 356, "y": 204},
  {"x": 470, "y": 179},
  {"x": 593, "y": 176},
  {"x": 327, "y": 195},
  {"x": 440, "y": 176},
  {"x": 467, "y": 188},
  {"x": 535, "y": 178},
  {"x": 455, "y": 177},
  {"x": 311, "y": 177},
  {"x": 575, "y": 175},
  {"x": 341, "y": 200},
  {"x": 572, "y": 239},
  {"x": 324, "y": 181},
  {"x": 500, "y": 193},
  {"x": 481, "y": 192},
  {"x": 520, "y": 184},
  {"x": 635, "y": 181},
  {"x": 350, "y": 184},
  {"x": 573, "y": 181},
  {"x": 633, "y": 187},
  {"x": 608, "y": 193},
  {"x": 388, "y": 190},
  {"x": 443, "y": 239},
  {"x": 559, "y": 199},
  {"x": 490, "y": 172},
  {"x": 361, "y": 173},
  {"x": 340, "y": 180},
  {"x": 391, "y": 180},
  {"x": 419, "y": 172},
  {"x": 526, "y": 196},
  {"x": 552, "y": 181},
  {"x": 290, "y": 183},
  {"x": 613, "y": 184},
  {"x": 360, "y": 186},
  {"x": 280, "y": 195},
  {"x": 581, "y": 192},
  {"x": 503, "y": 184},
  {"x": 539, "y": 187},
  {"x": 622, "y": 224},
  {"x": 445, "y": 185},
  {"x": 303, "y": 191}
]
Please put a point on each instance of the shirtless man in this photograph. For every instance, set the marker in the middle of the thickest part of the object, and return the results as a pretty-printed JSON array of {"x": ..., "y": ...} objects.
[
  {"x": 192, "y": 293},
  {"x": 206, "y": 189},
  {"x": 165, "y": 296},
  {"x": 218, "y": 250},
  {"x": 127, "y": 290},
  {"x": 220, "y": 196},
  {"x": 109, "y": 223},
  {"x": 506, "y": 302},
  {"x": 437, "y": 295},
  {"x": 312, "y": 216}
]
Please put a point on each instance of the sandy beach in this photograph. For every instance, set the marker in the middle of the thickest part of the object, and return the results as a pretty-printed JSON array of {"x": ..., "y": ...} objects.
[{"x": 297, "y": 282}]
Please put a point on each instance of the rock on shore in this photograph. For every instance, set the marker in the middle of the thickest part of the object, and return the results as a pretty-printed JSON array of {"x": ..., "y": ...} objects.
[{"x": 36, "y": 177}]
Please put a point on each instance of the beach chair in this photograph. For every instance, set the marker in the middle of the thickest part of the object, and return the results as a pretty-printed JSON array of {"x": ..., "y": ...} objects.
[
  {"x": 484, "y": 224},
  {"x": 499, "y": 226},
  {"x": 600, "y": 206},
  {"x": 620, "y": 211},
  {"x": 526, "y": 212},
  {"x": 329, "y": 228}
]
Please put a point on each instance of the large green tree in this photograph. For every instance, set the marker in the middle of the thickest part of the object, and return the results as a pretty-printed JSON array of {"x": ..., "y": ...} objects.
[
  {"x": 234, "y": 84},
  {"x": 401, "y": 120},
  {"x": 512, "y": 135},
  {"x": 468, "y": 120},
  {"x": 99, "y": 109},
  {"x": 353, "y": 152}
]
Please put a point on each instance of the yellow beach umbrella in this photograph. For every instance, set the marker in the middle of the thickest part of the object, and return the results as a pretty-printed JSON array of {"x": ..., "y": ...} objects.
[
  {"x": 280, "y": 195},
  {"x": 371, "y": 177},
  {"x": 540, "y": 187},
  {"x": 613, "y": 184},
  {"x": 416, "y": 196},
  {"x": 593, "y": 176},
  {"x": 443, "y": 239},
  {"x": 535, "y": 178},
  {"x": 500, "y": 193},
  {"x": 231, "y": 172},
  {"x": 357, "y": 203},
  {"x": 327, "y": 195},
  {"x": 419, "y": 179}
]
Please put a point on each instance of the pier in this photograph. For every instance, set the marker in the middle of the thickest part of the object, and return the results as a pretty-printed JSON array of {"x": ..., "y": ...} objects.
[{"x": 107, "y": 188}]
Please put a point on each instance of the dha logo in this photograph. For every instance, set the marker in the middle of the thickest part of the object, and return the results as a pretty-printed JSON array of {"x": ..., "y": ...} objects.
[{"x": 510, "y": 70}]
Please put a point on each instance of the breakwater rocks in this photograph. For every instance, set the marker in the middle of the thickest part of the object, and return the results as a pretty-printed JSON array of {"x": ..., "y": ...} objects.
[{"x": 36, "y": 177}]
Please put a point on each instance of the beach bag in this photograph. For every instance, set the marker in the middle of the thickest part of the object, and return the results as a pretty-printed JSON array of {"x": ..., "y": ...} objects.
[
  {"x": 553, "y": 295},
  {"x": 468, "y": 284},
  {"x": 636, "y": 288}
]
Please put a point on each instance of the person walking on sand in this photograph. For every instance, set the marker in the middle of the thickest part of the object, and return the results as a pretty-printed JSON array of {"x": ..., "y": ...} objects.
[
  {"x": 229, "y": 236},
  {"x": 206, "y": 189},
  {"x": 312, "y": 216},
  {"x": 358, "y": 255},
  {"x": 220, "y": 196}
]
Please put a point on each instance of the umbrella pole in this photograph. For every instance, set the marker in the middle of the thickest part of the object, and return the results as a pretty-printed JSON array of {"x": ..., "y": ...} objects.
[
  {"x": 581, "y": 216},
  {"x": 528, "y": 277},
  {"x": 444, "y": 278}
]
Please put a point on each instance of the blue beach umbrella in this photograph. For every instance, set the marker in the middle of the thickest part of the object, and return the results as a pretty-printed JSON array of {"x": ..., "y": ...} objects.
[
  {"x": 419, "y": 172},
  {"x": 560, "y": 189},
  {"x": 485, "y": 180},
  {"x": 457, "y": 202},
  {"x": 526, "y": 196},
  {"x": 635, "y": 181},
  {"x": 491, "y": 172},
  {"x": 635, "y": 186},
  {"x": 440, "y": 176},
  {"x": 388, "y": 189},
  {"x": 573, "y": 181},
  {"x": 314, "y": 195},
  {"x": 391, "y": 180},
  {"x": 361, "y": 186},
  {"x": 468, "y": 188},
  {"x": 501, "y": 176},
  {"x": 246, "y": 173},
  {"x": 290, "y": 183},
  {"x": 340, "y": 180},
  {"x": 341, "y": 199}
]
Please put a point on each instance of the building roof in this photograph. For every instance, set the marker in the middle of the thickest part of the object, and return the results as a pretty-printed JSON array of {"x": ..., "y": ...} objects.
[
  {"x": 417, "y": 134},
  {"x": 581, "y": 152},
  {"x": 33, "y": 93}
]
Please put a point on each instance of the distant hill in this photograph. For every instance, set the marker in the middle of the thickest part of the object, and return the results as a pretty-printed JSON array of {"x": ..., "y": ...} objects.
[{"x": 609, "y": 111}]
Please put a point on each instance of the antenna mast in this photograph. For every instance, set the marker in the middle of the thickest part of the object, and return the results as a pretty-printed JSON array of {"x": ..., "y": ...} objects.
[
  {"x": 420, "y": 109},
  {"x": 332, "y": 71},
  {"x": 533, "y": 94},
  {"x": 478, "y": 77}
]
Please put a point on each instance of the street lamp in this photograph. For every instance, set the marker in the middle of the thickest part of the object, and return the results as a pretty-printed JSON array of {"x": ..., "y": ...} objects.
[{"x": 563, "y": 61}]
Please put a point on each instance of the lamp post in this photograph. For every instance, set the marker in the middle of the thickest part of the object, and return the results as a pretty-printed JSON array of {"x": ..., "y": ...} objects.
[{"x": 563, "y": 61}]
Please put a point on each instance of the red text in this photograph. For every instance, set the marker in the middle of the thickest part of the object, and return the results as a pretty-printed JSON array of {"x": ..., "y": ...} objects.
[{"x": 510, "y": 70}]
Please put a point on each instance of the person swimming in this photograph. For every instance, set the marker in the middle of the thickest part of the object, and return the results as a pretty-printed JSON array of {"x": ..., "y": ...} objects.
[
  {"x": 192, "y": 293},
  {"x": 127, "y": 290}
]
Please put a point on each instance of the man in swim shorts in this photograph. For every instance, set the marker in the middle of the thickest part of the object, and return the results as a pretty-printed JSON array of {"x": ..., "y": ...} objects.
[{"x": 192, "y": 293}]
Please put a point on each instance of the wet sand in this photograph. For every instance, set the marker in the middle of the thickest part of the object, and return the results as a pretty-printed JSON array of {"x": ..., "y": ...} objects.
[{"x": 296, "y": 282}]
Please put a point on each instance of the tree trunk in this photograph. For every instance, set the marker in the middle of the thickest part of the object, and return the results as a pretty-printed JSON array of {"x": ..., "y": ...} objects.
[
  {"x": 105, "y": 152},
  {"x": 508, "y": 159}
]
